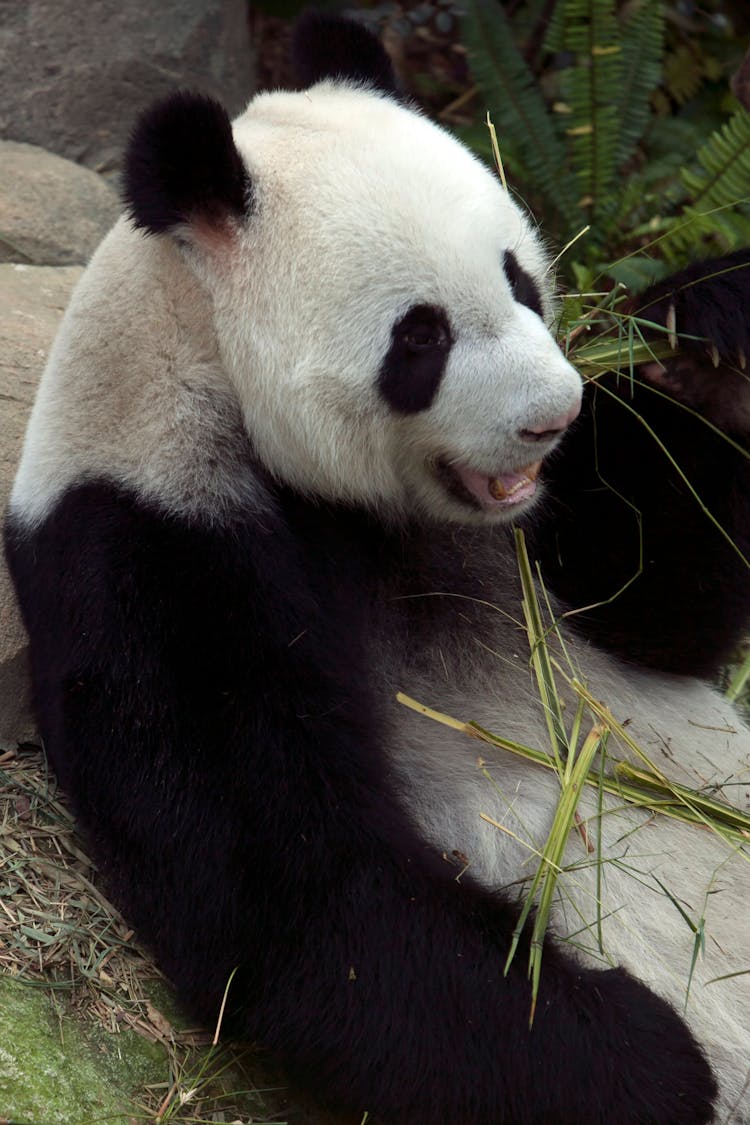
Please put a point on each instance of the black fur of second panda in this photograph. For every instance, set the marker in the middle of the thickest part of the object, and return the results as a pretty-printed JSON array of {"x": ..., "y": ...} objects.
[
  {"x": 235, "y": 786},
  {"x": 627, "y": 502}
]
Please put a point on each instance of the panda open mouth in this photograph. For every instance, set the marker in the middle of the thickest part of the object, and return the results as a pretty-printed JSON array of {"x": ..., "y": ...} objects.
[{"x": 506, "y": 490}]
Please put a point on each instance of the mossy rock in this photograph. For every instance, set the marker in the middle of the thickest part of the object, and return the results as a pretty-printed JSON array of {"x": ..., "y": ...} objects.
[{"x": 56, "y": 1071}]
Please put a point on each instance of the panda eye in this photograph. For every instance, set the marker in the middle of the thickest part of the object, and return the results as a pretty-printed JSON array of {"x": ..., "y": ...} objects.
[
  {"x": 523, "y": 287},
  {"x": 422, "y": 337},
  {"x": 413, "y": 367}
]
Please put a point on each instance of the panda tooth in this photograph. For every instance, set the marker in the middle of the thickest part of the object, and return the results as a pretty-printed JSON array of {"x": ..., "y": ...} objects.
[
  {"x": 501, "y": 491},
  {"x": 526, "y": 475}
]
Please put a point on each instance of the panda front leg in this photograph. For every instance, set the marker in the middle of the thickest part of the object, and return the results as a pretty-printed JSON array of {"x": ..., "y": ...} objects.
[
  {"x": 647, "y": 518},
  {"x": 230, "y": 775}
]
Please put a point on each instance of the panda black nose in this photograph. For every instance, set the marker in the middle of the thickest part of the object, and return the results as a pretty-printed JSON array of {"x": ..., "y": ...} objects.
[{"x": 551, "y": 428}]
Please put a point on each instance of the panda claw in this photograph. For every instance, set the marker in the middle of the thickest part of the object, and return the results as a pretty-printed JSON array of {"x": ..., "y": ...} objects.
[
  {"x": 671, "y": 326},
  {"x": 715, "y": 358},
  {"x": 741, "y": 358}
]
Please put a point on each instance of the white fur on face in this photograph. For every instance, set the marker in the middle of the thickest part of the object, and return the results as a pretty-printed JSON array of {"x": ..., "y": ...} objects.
[{"x": 366, "y": 209}]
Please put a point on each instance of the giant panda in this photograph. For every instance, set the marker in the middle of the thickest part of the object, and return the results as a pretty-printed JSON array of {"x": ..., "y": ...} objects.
[{"x": 302, "y": 393}]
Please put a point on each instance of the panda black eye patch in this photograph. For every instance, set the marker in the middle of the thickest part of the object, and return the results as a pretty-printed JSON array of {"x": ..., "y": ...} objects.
[
  {"x": 413, "y": 366},
  {"x": 525, "y": 289}
]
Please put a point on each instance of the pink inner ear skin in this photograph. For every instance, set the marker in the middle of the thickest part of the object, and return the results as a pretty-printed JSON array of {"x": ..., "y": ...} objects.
[{"x": 215, "y": 235}]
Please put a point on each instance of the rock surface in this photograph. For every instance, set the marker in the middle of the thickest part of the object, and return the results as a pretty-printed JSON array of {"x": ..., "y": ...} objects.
[
  {"x": 72, "y": 75},
  {"x": 40, "y": 1083},
  {"x": 32, "y": 301},
  {"x": 52, "y": 212}
]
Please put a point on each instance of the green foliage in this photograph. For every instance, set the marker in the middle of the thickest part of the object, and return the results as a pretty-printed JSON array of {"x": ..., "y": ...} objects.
[
  {"x": 589, "y": 34},
  {"x": 716, "y": 188},
  {"x": 517, "y": 105},
  {"x": 619, "y": 123},
  {"x": 642, "y": 41},
  {"x": 682, "y": 77}
]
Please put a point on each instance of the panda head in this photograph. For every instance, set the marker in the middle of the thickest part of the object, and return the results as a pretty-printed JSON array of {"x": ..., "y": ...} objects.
[{"x": 379, "y": 299}]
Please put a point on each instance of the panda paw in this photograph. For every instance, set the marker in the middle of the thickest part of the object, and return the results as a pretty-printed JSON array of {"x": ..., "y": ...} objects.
[{"x": 704, "y": 312}]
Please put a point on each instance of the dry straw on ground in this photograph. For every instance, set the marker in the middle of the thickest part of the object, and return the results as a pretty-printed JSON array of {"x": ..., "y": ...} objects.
[
  {"x": 59, "y": 932},
  {"x": 56, "y": 928}
]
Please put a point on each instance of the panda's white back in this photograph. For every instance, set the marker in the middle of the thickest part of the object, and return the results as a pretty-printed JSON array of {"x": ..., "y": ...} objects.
[{"x": 143, "y": 405}]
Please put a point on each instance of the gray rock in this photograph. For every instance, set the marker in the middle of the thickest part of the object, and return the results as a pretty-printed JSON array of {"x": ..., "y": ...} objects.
[
  {"x": 73, "y": 75},
  {"x": 52, "y": 212},
  {"x": 32, "y": 301}
]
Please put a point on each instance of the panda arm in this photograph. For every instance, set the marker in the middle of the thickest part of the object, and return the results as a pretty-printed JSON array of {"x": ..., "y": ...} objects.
[
  {"x": 222, "y": 750},
  {"x": 647, "y": 514}
]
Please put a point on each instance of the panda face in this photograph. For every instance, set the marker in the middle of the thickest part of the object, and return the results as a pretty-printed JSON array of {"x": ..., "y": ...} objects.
[{"x": 380, "y": 312}]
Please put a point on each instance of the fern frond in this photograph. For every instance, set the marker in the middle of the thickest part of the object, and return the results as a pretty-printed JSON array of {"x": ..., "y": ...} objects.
[
  {"x": 642, "y": 47},
  {"x": 667, "y": 141},
  {"x": 719, "y": 190},
  {"x": 725, "y": 163},
  {"x": 697, "y": 233},
  {"x": 591, "y": 34},
  {"x": 516, "y": 104},
  {"x": 553, "y": 40},
  {"x": 683, "y": 74},
  {"x": 526, "y": 19}
]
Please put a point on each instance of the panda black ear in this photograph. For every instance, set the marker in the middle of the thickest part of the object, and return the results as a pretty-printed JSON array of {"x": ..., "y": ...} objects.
[
  {"x": 330, "y": 46},
  {"x": 182, "y": 165}
]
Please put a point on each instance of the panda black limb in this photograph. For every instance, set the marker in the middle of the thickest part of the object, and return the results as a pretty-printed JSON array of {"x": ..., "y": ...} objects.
[{"x": 267, "y": 483}]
